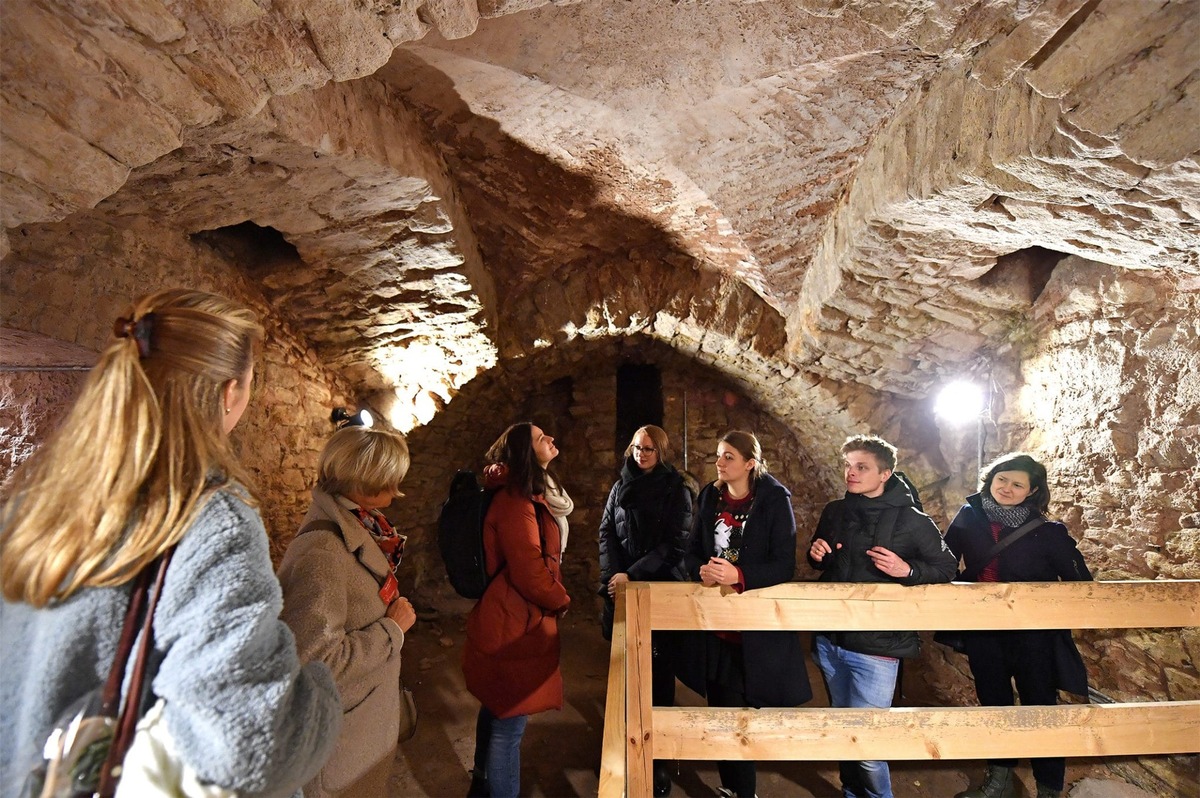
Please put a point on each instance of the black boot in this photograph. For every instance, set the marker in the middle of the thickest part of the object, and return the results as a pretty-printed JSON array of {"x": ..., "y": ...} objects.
[
  {"x": 479, "y": 786},
  {"x": 998, "y": 784},
  {"x": 662, "y": 778}
]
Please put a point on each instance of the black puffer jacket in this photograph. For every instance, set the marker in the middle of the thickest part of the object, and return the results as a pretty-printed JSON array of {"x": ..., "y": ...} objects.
[
  {"x": 856, "y": 523},
  {"x": 645, "y": 526}
]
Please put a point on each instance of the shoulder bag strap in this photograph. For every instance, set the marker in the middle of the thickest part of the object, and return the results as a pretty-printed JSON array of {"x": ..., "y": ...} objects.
[
  {"x": 321, "y": 523},
  {"x": 326, "y": 525},
  {"x": 1001, "y": 545},
  {"x": 110, "y": 698},
  {"x": 131, "y": 707}
]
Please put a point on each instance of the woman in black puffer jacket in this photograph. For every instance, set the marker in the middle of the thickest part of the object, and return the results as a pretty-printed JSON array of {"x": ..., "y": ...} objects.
[{"x": 643, "y": 533}]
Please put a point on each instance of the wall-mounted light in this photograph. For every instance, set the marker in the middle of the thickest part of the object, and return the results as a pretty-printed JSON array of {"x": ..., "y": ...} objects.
[
  {"x": 961, "y": 402},
  {"x": 341, "y": 417}
]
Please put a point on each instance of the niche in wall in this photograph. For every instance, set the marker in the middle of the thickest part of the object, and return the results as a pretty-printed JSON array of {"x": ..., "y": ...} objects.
[
  {"x": 258, "y": 250},
  {"x": 639, "y": 400}
]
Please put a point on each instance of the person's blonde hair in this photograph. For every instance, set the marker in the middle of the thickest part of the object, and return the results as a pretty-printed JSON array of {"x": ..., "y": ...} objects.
[
  {"x": 362, "y": 460},
  {"x": 656, "y": 434},
  {"x": 143, "y": 447}
]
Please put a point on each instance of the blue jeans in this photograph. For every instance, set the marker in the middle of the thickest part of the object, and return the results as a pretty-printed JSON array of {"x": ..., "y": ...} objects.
[
  {"x": 859, "y": 680},
  {"x": 498, "y": 752}
]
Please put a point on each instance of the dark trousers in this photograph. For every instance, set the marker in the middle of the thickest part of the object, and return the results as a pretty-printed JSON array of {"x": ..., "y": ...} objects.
[
  {"x": 997, "y": 660},
  {"x": 662, "y": 674},
  {"x": 729, "y": 690}
]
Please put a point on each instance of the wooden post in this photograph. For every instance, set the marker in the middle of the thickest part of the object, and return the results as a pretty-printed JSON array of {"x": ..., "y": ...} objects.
[
  {"x": 612, "y": 752},
  {"x": 638, "y": 729}
]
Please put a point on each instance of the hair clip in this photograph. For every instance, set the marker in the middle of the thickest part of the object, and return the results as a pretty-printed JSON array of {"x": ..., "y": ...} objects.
[{"x": 140, "y": 331}]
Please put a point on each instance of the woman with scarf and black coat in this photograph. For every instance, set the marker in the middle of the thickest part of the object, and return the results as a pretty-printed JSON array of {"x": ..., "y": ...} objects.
[
  {"x": 643, "y": 534},
  {"x": 1013, "y": 492}
]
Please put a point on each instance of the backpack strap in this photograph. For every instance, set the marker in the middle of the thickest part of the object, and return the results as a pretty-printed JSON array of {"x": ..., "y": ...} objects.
[
  {"x": 323, "y": 524},
  {"x": 326, "y": 525},
  {"x": 885, "y": 528}
]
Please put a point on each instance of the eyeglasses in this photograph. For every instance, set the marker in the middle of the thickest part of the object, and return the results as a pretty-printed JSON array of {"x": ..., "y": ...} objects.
[{"x": 644, "y": 449}]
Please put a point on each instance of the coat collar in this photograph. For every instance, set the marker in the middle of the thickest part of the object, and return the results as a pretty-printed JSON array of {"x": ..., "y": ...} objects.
[{"x": 355, "y": 537}]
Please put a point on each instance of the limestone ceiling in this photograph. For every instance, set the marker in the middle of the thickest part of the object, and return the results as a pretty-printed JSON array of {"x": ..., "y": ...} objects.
[{"x": 803, "y": 194}]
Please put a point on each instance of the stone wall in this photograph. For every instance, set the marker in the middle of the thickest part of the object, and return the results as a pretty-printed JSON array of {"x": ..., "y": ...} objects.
[
  {"x": 1106, "y": 392},
  {"x": 32, "y": 403},
  {"x": 70, "y": 280}
]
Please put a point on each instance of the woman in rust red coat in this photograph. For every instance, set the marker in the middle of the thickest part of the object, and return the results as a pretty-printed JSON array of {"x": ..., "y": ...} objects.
[{"x": 511, "y": 658}]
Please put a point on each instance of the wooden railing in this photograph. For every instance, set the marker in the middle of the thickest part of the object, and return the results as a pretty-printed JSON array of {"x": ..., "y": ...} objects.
[{"x": 635, "y": 733}]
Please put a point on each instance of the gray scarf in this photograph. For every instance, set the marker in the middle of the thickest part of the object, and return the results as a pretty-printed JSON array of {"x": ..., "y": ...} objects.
[{"x": 1011, "y": 517}]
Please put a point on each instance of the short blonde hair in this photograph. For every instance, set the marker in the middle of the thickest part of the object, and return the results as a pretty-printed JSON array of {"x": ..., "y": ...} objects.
[{"x": 362, "y": 460}]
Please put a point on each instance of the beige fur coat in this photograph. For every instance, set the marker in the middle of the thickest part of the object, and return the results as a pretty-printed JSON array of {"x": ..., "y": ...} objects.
[{"x": 331, "y": 601}]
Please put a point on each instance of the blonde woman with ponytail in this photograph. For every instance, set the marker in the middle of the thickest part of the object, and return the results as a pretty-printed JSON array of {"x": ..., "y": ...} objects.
[{"x": 143, "y": 463}]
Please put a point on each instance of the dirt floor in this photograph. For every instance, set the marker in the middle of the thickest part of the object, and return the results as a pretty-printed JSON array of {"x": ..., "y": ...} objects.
[{"x": 561, "y": 752}]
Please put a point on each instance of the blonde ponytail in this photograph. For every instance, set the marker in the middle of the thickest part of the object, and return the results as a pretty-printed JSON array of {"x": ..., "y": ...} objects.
[{"x": 123, "y": 477}]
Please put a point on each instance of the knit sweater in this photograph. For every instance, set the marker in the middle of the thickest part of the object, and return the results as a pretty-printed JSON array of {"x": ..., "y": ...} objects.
[{"x": 243, "y": 712}]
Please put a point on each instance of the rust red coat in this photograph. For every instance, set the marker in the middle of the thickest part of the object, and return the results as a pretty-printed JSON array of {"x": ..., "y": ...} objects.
[{"x": 511, "y": 658}]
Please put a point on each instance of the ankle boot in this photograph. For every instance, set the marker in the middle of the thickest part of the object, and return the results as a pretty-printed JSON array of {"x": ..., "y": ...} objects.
[
  {"x": 479, "y": 786},
  {"x": 662, "y": 778},
  {"x": 1048, "y": 792},
  {"x": 998, "y": 784}
]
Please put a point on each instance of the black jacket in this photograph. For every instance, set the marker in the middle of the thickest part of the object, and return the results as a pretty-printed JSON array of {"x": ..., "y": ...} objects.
[
  {"x": 645, "y": 527},
  {"x": 1045, "y": 554},
  {"x": 776, "y": 675},
  {"x": 890, "y": 520}
]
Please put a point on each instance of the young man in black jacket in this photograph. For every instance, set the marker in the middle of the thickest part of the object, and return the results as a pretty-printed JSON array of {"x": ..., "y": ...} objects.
[{"x": 874, "y": 534}]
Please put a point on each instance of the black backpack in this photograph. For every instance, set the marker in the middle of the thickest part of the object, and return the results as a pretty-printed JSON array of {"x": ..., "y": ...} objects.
[{"x": 460, "y": 534}]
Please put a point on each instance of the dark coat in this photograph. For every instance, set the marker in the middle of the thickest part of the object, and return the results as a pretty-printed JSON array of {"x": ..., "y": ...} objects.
[
  {"x": 857, "y": 523},
  {"x": 644, "y": 530},
  {"x": 776, "y": 675},
  {"x": 1045, "y": 554},
  {"x": 511, "y": 657},
  {"x": 645, "y": 527}
]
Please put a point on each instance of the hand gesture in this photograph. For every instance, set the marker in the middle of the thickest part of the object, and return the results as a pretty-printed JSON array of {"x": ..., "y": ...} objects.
[
  {"x": 820, "y": 547},
  {"x": 401, "y": 611},
  {"x": 889, "y": 562},
  {"x": 616, "y": 580},
  {"x": 718, "y": 571}
]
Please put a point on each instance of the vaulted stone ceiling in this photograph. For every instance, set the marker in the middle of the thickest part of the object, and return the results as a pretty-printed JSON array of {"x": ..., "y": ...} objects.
[{"x": 814, "y": 196}]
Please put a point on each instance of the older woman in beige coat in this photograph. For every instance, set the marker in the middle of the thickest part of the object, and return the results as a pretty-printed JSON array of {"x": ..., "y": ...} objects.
[{"x": 341, "y": 600}]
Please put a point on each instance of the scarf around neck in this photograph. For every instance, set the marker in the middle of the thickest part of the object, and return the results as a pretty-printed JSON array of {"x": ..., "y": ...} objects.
[
  {"x": 1010, "y": 517},
  {"x": 559, "y": 502}
]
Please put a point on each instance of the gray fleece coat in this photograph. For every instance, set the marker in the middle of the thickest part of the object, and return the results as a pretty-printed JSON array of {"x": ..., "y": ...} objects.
[
  {"x": 244, "y": 713},
  {"x": 331, "y": 601}
]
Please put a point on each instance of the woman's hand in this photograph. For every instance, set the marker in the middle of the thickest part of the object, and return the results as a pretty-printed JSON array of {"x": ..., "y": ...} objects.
[
  {"x": 718, "y": 571},
  {"x": 616, "y": 580},
  {"x": 820, "y": 547},
  {"x": 889, "y": 562},
  {"x": 401, "y": 611}
]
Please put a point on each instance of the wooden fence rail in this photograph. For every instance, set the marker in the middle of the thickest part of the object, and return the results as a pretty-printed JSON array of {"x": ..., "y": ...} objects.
[{"x": 635, "y": 733}]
